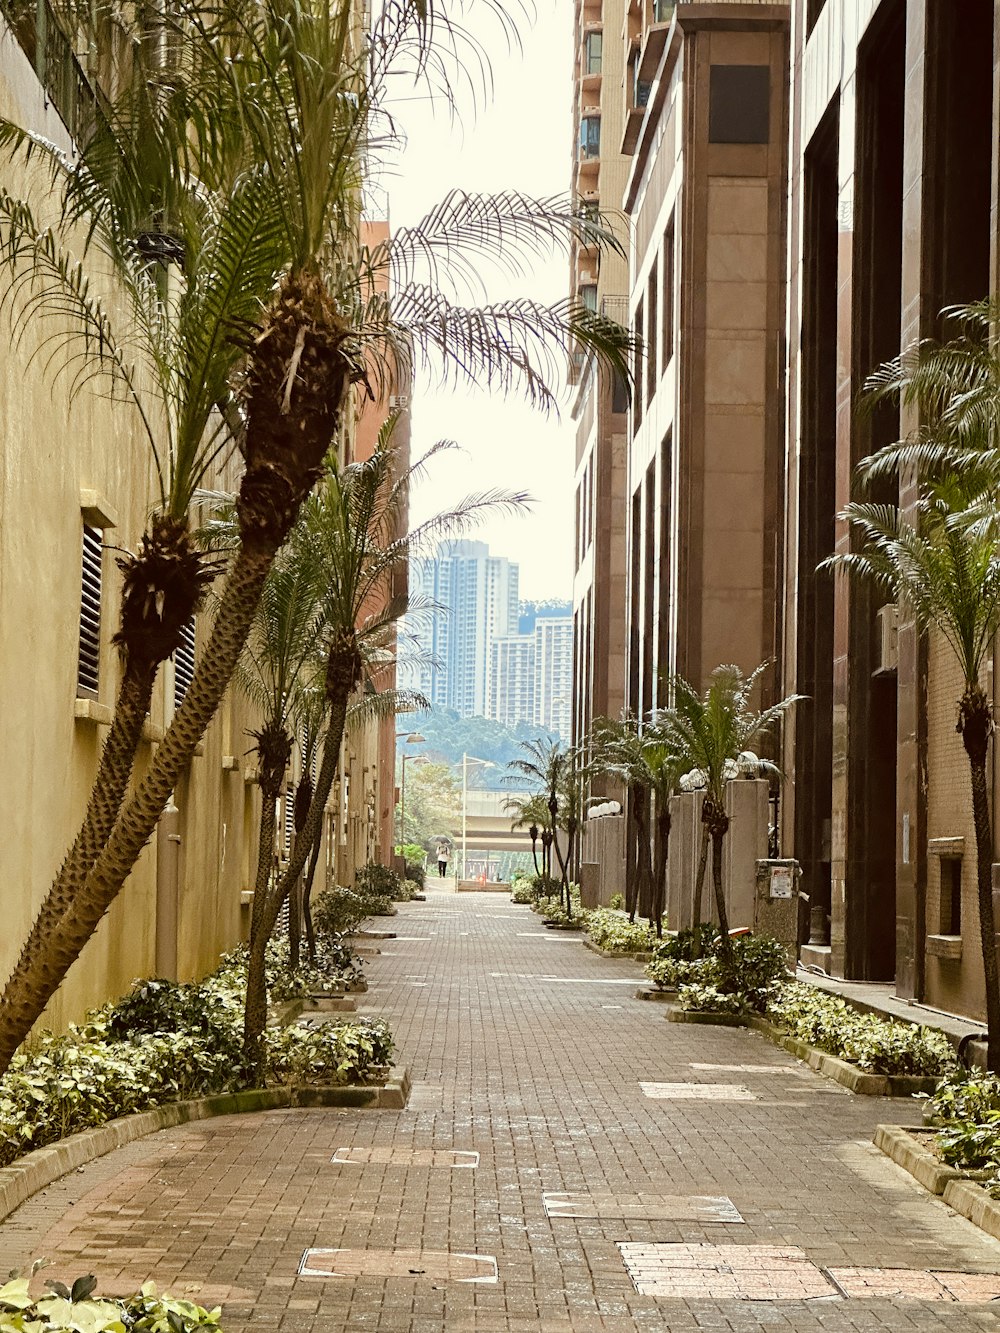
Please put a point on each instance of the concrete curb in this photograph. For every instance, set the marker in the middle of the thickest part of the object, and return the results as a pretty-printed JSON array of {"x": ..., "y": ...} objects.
[
  {"x": 704, "y": 1018},
  {"x": 906, "y": 1150},
  {"x": 36, "y": 1170},
  {"x": 665, "y": 996},
  {"x": 972, "y": 1201}
]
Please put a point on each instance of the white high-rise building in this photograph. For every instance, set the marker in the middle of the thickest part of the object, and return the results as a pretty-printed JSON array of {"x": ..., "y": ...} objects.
[
  {"x": 473, "y": 601},
  {"x": 512, "y": 680},
  {"x": 554, "y": 674}
]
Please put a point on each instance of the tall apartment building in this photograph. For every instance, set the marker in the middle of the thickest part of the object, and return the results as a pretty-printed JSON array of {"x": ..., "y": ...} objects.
[
  {"x": 473, "y": 600},
  {"x": 706, "y": 197},
  {"x": 600, "y": 406},
  {"x": 531, "y": 676},
  {"x": 894, "y": 215}
]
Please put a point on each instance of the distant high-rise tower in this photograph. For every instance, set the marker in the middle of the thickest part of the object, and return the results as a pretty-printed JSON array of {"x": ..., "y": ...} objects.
[
  {"x": 554, "y": 675},
  {"x": 473, "y": 598}
]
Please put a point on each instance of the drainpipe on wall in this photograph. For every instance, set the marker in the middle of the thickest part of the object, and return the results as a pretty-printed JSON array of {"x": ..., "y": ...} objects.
[{"x": 168, "y": 858}]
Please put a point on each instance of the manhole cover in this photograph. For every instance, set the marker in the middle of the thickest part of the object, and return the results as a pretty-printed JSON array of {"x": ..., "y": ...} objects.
[
  {"x": 724, "y": 1272},
  {"x": 916, "y": 1285},
  {"x": 437, "y": 1265},
  {"x": 644, "y": 1207},
  {"x": 709, "y": 1092},
  {"x": 405, "y": 1157}
]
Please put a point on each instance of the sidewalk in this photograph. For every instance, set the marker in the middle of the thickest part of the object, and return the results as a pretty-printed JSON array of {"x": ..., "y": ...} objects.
[{"x": 530, "y": 1051}]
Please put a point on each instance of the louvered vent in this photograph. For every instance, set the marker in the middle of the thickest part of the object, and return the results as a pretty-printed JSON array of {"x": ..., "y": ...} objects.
[
  {"x": 87, "y": 671},
  {"x": 184, "y": 663},
  {"x": 289, "y": 819}
]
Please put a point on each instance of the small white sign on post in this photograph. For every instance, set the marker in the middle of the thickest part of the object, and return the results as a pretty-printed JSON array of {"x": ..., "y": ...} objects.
[{"x": 782, "y": 885}]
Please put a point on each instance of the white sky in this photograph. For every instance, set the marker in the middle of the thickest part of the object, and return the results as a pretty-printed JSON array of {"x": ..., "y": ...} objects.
[{"x": 521, "y": 140}]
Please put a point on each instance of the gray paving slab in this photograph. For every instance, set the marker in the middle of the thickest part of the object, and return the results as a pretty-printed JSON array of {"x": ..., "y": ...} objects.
[{"x": 535, "y": 1059}]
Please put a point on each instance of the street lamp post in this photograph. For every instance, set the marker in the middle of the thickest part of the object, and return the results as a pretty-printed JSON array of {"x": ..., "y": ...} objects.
[
  {"x": 412, "y": 738},
  {"x": 466, "y": 760}
]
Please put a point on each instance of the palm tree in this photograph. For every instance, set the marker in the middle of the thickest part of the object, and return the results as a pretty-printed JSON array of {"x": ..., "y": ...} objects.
[
  {"x": 942, "y": 561},
  {"x": 545, "y": 763},
  {"x": 282, "y": 99},
  {"x": 648, "y": 763},
  {"x": 353, "y": 525},
  {"x": 714, "y": 732},
  {"x": 530, "y": 811}
]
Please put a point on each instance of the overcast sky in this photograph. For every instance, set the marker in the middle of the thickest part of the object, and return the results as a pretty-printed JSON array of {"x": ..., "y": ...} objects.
[{"x": 522, "y": 140}]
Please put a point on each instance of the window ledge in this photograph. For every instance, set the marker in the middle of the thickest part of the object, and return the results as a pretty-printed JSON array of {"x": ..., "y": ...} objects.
[
  {"x": 944, "y": 946},
  {"x": 97, "y": 512},
  {"x": 89, "y": 710},
  {"x": 946, "y": 847},
  {"x": 151, "y": 733},
  {"x": 230, "y": 763}
]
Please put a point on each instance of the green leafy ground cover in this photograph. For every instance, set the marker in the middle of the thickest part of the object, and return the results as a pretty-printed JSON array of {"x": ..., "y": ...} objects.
[
  {"x": 74, "y": 1309},
  {"x": 167, "y": 1041}
]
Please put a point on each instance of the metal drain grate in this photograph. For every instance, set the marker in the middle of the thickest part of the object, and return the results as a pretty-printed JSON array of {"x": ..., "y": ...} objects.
[
  {"x": 724, "y": 1272},
  {"x": 436, "y": 1265},
  {"x": 643, "y": 1207},
  {"x": 405, "y": 1157},
  {"x": 708, "y": 1092},
  {"x": 916, "y": 1285}
]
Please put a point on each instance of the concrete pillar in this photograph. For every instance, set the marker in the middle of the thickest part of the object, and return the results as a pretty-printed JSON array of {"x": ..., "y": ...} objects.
[
  {"x": 590, "y": 879},
  {"x": 745, "y": 845},
  {"x": 682, "y": 859}
]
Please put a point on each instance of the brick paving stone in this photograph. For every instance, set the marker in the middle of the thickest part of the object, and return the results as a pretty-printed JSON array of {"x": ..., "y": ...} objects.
[{"x": 533, "y": 1057}]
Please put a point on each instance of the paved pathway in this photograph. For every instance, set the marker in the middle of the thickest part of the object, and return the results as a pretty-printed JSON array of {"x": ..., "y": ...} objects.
[{"x": 529, "y": 1050}]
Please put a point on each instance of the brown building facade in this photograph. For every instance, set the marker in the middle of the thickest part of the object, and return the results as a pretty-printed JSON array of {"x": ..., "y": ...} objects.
[
  {"x": 893, "y": 191},
  {"x": 706, "y": 196}
]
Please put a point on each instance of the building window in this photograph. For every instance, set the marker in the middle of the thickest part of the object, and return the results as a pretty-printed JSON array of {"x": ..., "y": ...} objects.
[
  {"x": 88, "y": 661},
  {"x": 638, "y": 331},
  {"x": 588, "y": 295},
  {"x": 668, "y": 293},
  {"x": 663, "y": 10},
  {"x": 652, "y": 334},
  {"x": 739, "y": 104},
  {"x": 184, "y": 663},
  {"x": 951, "y": 895},
  {"x": 592, "y": 53},
  {"x": 590, "y": 136}
]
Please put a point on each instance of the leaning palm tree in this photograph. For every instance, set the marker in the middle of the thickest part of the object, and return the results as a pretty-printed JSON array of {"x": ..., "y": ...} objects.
[
  {"x": 941, "y": 560},
  {"x": 264, "y": 119},
  {"x": 354, "y": 524},
  {"x": 714, "y": 732},
  {"x": 544, "y": 764}
]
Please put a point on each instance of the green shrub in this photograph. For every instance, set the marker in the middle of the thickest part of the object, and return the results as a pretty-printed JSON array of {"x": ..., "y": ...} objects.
[
  {"x": 965, "y": 1095},
  {"x": 617, "y": 903},
  {"x": 669, "y": 973},
  {"x": 687, "y": 945},
  {"x": 339, "y": 911},
  {"x": 104, "y": 1068},
  {"x": 522, "y": 892},
  {"x": 755, "y": 963},
  {"x": 62, "y": 1309},
  {"x": 416, "y": 873},
  {"x": 877, "y": 1045},
  {"x": 377, "y": 881},
  {"x": 708, "y": 998},
  {"x": 613, "y": 931}
]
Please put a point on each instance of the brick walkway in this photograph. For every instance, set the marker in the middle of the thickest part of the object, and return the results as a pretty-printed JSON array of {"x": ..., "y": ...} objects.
[{"x": 529, "y": 1050}]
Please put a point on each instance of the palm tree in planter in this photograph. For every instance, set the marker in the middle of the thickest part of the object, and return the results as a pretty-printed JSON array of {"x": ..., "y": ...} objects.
[
  {"x": 531, "y": 811},
  {"x": 545, "y": 763},
  {"x": 246, "y": 156},
  {"x": 941, "y": 561},
  {"x": 616, "y": 752},
  {"x": 714, "y": 733},
  {"x": 354, "y": 525}
]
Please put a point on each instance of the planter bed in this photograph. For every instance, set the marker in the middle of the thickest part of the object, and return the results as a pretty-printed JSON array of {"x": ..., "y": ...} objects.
[
  {"x": 861, "y": 1081},
  {"x": 36, "y": 1170},
  {"x": 643, "y": 957},
  {"x": 562, "y": 925}
]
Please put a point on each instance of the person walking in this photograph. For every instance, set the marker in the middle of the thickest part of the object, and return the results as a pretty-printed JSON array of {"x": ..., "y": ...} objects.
[{"x": 443, "y": 855}]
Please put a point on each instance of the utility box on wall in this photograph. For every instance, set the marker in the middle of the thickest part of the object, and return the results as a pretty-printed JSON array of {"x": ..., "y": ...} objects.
[{"x": 776, "y": 906}]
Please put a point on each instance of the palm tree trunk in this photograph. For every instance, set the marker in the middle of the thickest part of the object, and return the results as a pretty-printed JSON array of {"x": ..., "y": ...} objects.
[
  {"x": 700, "y": 914},
  {"x": 71, "y": 914},
  {"x": 644, "y": 857},
  {"x": 307, "y": 897},
  {"x": 265, "y": 855},
  {"x": 534, "y": 854},
  {"x": 343, "y": 673},
  {"x": 631, "y": 853},
  {"x": 659, "y": 895},
  {"x": 975, "y": 724},
  {"x": 717, "y": 825}
]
